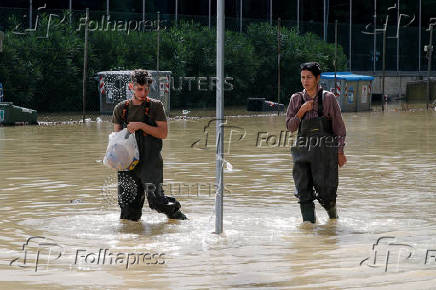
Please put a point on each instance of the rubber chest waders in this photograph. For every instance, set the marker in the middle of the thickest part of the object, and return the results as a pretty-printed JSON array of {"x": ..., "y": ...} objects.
[
  {"x": 315, "y": 157},
  {"x": 146, "y": 179}
]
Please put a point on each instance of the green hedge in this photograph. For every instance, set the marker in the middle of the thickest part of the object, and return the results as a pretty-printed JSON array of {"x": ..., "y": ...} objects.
[{"x": 46, "y": 73}]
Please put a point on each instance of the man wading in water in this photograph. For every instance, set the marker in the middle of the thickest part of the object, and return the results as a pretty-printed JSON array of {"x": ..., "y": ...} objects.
[
  {"x": 319, "y": 147},
  {"x": 144, "y": 117}
]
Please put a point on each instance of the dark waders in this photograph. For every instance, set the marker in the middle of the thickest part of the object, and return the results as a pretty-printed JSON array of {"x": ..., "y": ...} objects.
[
  {"x": 146, "y": 179},
  {"x": 315, "y": 171}
]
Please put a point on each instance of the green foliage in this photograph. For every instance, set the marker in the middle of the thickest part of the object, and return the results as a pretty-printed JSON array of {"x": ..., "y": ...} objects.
[
  {"x": 46, "y": 73},
  {"x": 294, "y": 50}
]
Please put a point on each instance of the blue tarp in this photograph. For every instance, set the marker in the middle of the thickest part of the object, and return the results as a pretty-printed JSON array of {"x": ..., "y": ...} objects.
[{"x": 345, "y": 76}]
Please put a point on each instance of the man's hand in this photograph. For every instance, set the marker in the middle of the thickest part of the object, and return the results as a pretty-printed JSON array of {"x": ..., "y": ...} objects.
[
  {"x": 134, "y": 126},
  {"x": 307, "y": 106},
  {"x": 159, "y": 131},
  {"x": 342, "y": 159}
]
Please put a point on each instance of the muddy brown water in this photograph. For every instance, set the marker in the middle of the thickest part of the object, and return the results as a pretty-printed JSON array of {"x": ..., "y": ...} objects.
[{"x": 58, "y": 200}]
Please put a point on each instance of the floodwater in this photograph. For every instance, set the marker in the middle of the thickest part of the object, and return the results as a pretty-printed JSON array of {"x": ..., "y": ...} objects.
[{"x": 59, "y": 210}]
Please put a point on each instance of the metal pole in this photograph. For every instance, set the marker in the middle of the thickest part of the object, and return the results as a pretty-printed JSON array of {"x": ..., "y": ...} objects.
[
  {"x": 107, "y": 9},
  {"x": 351, "y": 34},
  {"x": 177, "y": 11},
  {"x": 157, "y": 54},
  {"x": 143, "y": 15},
  {"x": 419, "y": 37},
  {"x": 2, "y": 37},
  {"x": 398, "y": 49},
  {"x": 240, "y": 16},
  {"x": 327, "y": 9},
  {"x": 71, "y": 11},
  {"x": 398, "y": 36},
  {"x": 219, "y": 117},
  {"x": 85, "y": 66},
  {"x": 429, "y": 55},
  {"x": 278, "y": 64},
  {"x": 375, "y": 34},
  {"x": 298, "y": 16},
  {"x": 30, "y": 14},
  {"x": 384, "y": 67},
  {"x": 324, "y": 26},
  {"x": 336, "y": 52},
  {"x": 157, "y": 46},
  {"x": 210, "y": 11}
]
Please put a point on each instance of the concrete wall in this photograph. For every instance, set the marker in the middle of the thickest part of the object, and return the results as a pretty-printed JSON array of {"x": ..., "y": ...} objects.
[
  {"x": 394, "y": 82},
  {"x": 417, "y": 91}
]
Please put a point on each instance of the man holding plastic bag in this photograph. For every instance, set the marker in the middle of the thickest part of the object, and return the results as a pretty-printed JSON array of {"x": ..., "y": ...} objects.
[
  {"x": 144, "y": 118},
  {"x": 122, "y": 151}
]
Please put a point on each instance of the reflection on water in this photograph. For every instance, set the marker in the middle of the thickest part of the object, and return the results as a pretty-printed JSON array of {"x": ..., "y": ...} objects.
[{"x": 53, "y": 185}]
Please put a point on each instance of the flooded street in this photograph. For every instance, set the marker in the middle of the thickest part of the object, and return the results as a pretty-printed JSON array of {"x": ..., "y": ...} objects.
[{"x": 55, "y": 188}]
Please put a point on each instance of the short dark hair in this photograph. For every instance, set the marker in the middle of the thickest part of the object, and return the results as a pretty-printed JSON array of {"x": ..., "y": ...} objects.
[
  {"x": 141, "y": 77},
  {"x": 313, "y": 67}
]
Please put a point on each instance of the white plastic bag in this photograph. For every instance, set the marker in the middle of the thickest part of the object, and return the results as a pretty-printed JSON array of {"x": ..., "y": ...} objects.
[{"x": 122, "y": 151}]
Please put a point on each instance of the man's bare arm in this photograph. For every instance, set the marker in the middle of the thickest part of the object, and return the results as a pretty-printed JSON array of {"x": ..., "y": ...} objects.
[
  {"x": 160, "y": 131},
  {"x": 117, "y": 127}
]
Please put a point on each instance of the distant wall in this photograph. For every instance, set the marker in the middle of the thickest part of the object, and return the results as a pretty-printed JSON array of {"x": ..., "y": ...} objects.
[
  {"x": 417, "y": 91},
  {"x": 394, "y": 82}
]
